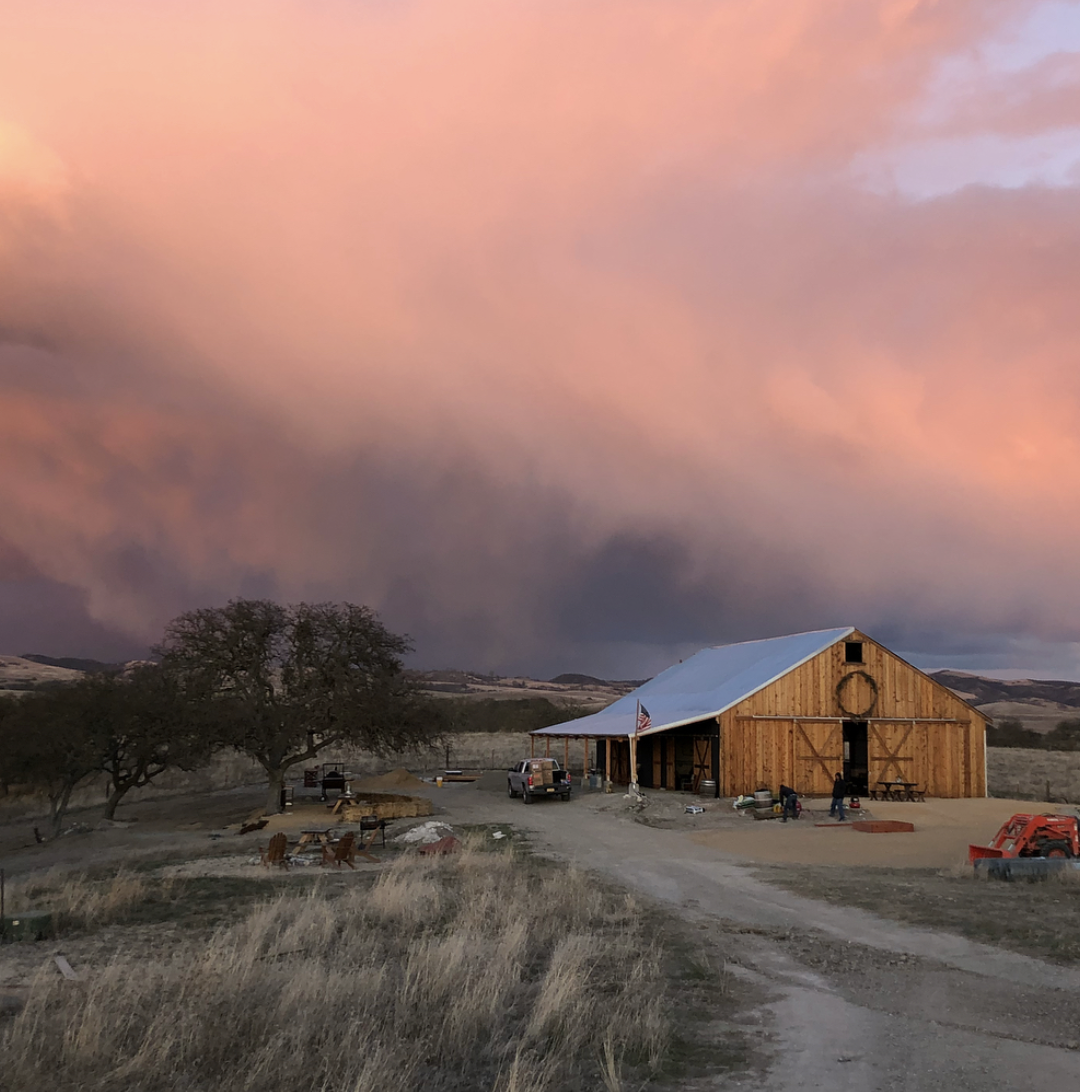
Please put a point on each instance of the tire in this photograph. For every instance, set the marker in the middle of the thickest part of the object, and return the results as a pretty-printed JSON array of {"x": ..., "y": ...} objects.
[
  {"x": 510, "y": 790},
  {"x": 1055, "y": 849},
  {"x": 526, "y": 796}
]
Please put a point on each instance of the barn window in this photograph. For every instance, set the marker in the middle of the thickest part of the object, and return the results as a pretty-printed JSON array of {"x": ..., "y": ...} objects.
[{"x": 853, "y": 652}]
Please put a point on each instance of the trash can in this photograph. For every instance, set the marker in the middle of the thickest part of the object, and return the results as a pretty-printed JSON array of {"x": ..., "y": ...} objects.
[{"x": 596, "y": 779}]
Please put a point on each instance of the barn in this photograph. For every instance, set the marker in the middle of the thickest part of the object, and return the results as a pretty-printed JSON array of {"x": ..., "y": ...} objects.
[{"x": 789, "y": 710}]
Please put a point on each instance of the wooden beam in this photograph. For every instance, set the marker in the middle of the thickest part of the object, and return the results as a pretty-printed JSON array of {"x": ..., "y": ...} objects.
[
  {"x": 566, "y": 752},
  {"x": 585, "y": 760},
  {"x": 607, "y": 765},
  {"x": 633, "y": 764}
]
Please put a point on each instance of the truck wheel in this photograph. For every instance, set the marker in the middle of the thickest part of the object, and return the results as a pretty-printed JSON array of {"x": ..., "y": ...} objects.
[
  {"x": 510, "y": 790},
  {"x": 526, "y": 796}
]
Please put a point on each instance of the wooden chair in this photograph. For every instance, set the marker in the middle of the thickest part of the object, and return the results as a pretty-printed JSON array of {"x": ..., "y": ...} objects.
[
  {"x": 274, "y": 854},
  {"x": 341, "y": 852}
]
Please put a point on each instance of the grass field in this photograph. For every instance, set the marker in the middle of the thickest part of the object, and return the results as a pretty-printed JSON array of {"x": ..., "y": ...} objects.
[
  {"x": 483, "y": 970},
  {"x": 1036, "y": 919},
  {"x": 1020, "y": 774}
]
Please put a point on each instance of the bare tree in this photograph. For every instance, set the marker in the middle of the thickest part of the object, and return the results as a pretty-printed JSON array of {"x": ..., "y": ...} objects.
[
  {"x": 282, "y": 683},
  {"x": 48, "y": 742},
  {"x": 146, "y": 726}
]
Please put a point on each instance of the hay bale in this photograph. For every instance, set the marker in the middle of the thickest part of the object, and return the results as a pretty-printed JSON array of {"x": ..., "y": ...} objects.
[{"x": 387, "y": 805}]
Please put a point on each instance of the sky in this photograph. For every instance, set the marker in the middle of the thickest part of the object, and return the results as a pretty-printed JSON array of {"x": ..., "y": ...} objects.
[{"x": 570, "y": 336}]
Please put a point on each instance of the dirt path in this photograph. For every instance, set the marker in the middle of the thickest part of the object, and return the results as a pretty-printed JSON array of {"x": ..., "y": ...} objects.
[{"x": 853, "y": 1001}]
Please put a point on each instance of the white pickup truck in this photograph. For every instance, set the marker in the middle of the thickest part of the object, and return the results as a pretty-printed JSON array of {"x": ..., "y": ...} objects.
[{"x": 536, "y": 777}]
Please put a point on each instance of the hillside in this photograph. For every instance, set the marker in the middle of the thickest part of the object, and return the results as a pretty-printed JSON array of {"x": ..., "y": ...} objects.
[
  {"x": 1038, "y": 703},
  {"x": 18, "y": 674},
  {"x": 592, "y": 694}
]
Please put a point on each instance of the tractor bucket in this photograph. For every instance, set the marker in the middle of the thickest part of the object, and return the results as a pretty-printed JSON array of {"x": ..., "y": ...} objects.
[{"x": 975, "y": 852}]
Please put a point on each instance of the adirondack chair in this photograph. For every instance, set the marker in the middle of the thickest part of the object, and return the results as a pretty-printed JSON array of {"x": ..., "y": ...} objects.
[
  {"x": 343, "y": 851},
  {"x": 346, "y": 850},
  {"x": 274, "y": 854}
]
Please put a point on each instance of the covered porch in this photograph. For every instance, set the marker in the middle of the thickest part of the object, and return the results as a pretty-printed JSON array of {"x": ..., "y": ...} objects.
[{"x": 683, "y": 758}]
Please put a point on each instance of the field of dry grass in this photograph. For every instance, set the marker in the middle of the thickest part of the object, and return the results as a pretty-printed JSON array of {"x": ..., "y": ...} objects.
[
  {"x": 484, "y": 970},
  {"x": 1019, "y": 774}
]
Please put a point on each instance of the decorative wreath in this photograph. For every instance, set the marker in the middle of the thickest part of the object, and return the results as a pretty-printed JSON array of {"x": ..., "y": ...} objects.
[{"x": 841, "y": 686}]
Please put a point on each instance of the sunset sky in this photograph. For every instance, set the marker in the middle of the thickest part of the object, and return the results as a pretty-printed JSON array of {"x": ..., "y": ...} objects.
[{"x": 572, "y": 335}]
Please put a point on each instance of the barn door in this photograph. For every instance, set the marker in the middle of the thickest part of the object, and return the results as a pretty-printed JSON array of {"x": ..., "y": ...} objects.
[
  {"x": 702, "y": 760},
  {"x": 819, "y": 755},
  {"x": 892, "y": 753}
]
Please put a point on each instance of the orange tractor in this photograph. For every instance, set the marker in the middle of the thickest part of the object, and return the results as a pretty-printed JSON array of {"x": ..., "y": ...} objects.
[{"x": 1049, "y": 836}]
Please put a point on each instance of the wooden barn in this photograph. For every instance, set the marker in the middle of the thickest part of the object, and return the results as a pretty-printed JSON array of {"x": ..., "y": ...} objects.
[{"x": 790, "y": 710}]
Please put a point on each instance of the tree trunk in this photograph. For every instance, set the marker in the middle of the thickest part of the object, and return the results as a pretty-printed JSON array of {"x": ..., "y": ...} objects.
[
  {"x": 114, "y": 798},
  {"x": 59, "y": 806},
  {"x": 273, "y": 794}
]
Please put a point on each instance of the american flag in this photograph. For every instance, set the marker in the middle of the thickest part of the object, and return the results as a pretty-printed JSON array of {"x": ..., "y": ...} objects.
[{"x": 643, "y": 719}]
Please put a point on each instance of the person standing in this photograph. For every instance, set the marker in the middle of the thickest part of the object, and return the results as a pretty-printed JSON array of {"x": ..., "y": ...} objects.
[{"x": 839, "y": 790}]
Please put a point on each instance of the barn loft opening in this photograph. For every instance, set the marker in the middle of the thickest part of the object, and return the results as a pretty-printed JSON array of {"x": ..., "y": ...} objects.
[{"x": 853, "y": 652}]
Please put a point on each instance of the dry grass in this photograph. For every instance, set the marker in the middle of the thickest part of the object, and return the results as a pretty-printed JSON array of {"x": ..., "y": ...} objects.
[
  {"x": 1019, "y": 774},
  {"x": 80, "y": 901},
  {"x": 478, "y": 971}
]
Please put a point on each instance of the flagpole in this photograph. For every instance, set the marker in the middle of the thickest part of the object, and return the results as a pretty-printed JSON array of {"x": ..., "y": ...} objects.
[{"x": 634, "y": 790}]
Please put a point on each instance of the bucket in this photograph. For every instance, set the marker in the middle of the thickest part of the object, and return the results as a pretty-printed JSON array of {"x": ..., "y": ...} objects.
[
  {"x": 707, "y": 788},
  {"x": 438, "y": 782}
]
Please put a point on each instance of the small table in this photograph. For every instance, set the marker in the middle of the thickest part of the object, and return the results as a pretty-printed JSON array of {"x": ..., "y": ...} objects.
[{"x": 323, "y": 837}]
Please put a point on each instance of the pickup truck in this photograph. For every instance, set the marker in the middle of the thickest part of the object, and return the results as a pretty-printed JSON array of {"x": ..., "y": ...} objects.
[{"x": 535, "y": 777}]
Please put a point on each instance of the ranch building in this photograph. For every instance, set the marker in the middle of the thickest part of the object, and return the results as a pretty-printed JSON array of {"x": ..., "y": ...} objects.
[{"x": 789, "y": 710}]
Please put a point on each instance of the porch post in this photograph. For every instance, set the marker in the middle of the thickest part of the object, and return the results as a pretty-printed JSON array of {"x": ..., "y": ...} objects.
[
  {"x": 633, "y": 764},
  {"x": 607, "y": 766}
]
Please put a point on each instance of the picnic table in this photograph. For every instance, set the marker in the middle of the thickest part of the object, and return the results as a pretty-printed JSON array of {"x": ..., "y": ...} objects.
[
  {"x": 898, "y": 790},
  {"x": 323, "y": 837}
]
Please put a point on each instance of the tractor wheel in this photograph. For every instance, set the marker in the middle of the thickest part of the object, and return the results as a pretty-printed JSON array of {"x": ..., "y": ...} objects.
[{"x": 1056, "y": 849}]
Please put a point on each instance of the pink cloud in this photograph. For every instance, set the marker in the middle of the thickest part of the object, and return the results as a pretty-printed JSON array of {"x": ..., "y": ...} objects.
[{"x": 424, "y": 304}]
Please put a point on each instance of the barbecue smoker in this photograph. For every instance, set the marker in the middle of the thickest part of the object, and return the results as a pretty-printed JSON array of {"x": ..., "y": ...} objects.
[{"x": 329, "y": 777}]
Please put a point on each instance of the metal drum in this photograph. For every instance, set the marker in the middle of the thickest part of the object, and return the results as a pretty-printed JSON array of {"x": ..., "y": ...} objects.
[{"x": 707, "y": 788}]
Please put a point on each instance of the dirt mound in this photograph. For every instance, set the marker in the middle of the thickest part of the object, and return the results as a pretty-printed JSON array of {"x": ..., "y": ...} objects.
[
  {"x": 395, "y": 779},
  {"x": 491, "y": 781}
]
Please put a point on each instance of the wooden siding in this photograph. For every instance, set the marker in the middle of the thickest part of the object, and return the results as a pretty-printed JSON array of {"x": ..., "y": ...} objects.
[{"x": 916, "y": 729}]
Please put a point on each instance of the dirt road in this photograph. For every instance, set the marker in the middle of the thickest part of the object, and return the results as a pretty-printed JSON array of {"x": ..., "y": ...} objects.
[{"x": 852, "y": 1001}]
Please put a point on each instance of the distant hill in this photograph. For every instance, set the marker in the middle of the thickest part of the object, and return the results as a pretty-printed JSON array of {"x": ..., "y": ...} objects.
[
  {"x": 71, "y": 663},
  {"x": 19, "y": 674},
  {"x": 1038, "y": 703},
  {"x": 578, "y": 680}
]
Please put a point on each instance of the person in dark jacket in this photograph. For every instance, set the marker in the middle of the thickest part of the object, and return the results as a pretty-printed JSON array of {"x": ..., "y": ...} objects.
[
  {"x": 839, "y": 791},
  {"x": 789, "y": 801}
]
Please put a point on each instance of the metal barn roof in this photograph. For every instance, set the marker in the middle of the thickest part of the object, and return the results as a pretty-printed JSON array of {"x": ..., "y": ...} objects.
[{"x": 703, "y": 686}]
